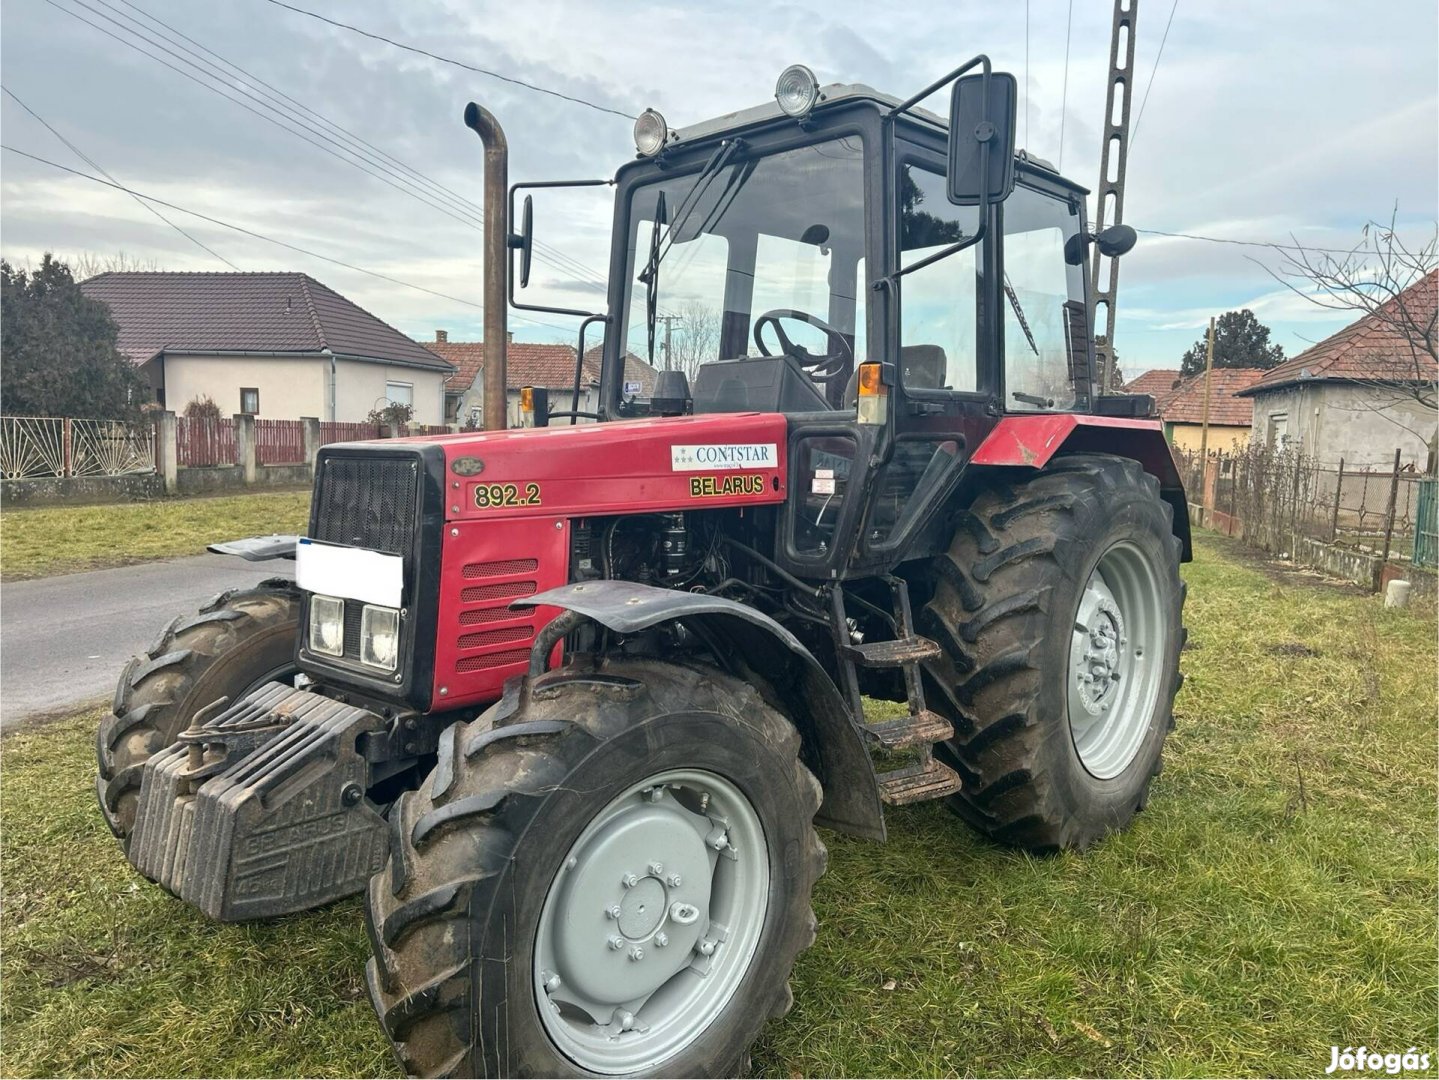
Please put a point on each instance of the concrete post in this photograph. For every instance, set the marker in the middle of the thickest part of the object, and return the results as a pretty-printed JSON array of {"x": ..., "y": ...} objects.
[
  {"x": 1211, "y": 484},
  {"x": 245, "y": 446},
  {"x": 312, "y": 441},
  {"x": 167, "y": 453}
]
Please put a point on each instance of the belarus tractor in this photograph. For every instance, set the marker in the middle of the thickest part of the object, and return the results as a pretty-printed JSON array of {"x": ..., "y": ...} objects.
[{"x": 567, "y": 702}]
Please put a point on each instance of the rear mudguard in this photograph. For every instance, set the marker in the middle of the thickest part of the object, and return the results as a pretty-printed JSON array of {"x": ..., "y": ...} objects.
[{"x": 833, "y": 745}]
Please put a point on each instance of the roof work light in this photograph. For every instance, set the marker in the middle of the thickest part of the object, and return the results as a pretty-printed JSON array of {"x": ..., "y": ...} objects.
[
  {"x": 651, "y": 133},
  {"x": 797, "y": 90}
]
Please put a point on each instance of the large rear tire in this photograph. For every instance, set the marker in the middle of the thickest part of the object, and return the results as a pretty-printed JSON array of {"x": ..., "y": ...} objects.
[
  {"x": 238, "y": 641},
  {"x": 608, "y": 873},
  {"x": 1059, "y": 608}
]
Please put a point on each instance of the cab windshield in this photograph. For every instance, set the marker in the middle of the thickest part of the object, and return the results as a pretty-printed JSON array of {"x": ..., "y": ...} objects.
[{"x": 772, "y": 244}]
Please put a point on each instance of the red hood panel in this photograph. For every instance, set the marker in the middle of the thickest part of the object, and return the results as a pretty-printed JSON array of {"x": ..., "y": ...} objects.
[{"x": 675, "y": 463}]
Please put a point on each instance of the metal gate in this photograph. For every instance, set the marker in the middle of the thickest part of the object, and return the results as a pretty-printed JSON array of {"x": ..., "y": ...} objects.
[{"x": 1426, "y": 524}]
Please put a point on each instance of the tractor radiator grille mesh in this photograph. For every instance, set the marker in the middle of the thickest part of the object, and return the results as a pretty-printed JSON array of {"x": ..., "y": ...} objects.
[{"x": 368, "y": 500}]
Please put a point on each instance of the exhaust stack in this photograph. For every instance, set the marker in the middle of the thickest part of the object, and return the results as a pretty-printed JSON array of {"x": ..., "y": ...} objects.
[{"x": 497, "y": 257}]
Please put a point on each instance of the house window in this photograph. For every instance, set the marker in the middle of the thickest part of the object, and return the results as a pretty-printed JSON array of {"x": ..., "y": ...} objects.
[
  {"x": 1279, "y": 431},
  {"x": 250, "y": 400},
  {"x": 400, "y": 393}
]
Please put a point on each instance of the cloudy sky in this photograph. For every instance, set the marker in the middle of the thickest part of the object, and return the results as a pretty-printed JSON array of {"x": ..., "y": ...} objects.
[{"x": 1295, "y": 118}]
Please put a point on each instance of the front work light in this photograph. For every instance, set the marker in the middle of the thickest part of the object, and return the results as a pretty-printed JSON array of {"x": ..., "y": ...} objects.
[
  {"x": 651, "y": 133},
  {"x": 327, "y": 625},
  {"x": 379, "y": 636},
  {"x": 797, "y": 90}
]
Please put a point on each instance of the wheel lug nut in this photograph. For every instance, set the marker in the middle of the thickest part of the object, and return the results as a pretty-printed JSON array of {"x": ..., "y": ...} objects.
[
  {"x": 720, "y": 842},
  {"x": 673, "y": 881},
  {"x": 656, "y": 868},
  {"x": 637, "y": 953},
  {"x": 706, "y": 947},
  {"x": 662, "y": 940},
  {"x": 627, "y": 1021},
  {"x": 612, "y": 912},
  {"x": 552, "y": 984},
  {"x": 630, "y": 881},
  {"x": 617, "y": 943},
  {"x": 571, "y": 863}
]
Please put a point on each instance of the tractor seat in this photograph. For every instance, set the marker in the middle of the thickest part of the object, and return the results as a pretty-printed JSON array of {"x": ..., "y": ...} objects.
[{"x": 922, "y": 367}]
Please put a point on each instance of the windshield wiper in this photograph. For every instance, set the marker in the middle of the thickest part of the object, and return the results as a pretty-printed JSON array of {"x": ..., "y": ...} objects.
[
  {"x": 1023, "y": 322},
  {"x": 1033, "y": 399},
  {"x": 651, "y": 273}
]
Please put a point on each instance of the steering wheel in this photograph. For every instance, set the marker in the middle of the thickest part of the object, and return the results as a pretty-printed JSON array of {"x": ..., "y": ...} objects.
[{"x": 822, "y": 368}]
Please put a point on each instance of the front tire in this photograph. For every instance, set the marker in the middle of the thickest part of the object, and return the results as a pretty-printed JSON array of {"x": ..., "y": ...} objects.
[
  {"x": 238, "y": 641},
  {"x": 1059, "y": 609},
  {"x": 624, "y": 845}
]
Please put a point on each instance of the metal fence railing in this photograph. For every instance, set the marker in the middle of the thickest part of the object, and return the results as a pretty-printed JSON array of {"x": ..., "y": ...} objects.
[
  {"x": 33, "y": 447},
  {"x": 1274, "y": 496}
]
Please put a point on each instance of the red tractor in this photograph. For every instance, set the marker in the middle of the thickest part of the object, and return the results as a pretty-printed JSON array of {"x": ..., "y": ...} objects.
[{"x": 568, "y": 702}]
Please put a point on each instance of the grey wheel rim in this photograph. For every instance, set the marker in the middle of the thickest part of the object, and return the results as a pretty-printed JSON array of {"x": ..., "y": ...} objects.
[
  {"x": 1116, "y": 660},
  {"x": 651, "y": 922}
]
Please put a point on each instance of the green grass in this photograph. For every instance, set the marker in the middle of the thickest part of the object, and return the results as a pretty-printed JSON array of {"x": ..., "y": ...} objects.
[
  {"x": 62, "y": 540},
  {"x": 1248, "y": 920}
]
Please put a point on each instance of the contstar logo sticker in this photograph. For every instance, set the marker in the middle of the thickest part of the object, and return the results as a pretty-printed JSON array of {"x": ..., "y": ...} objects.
[{"x": 723, "y": 457}]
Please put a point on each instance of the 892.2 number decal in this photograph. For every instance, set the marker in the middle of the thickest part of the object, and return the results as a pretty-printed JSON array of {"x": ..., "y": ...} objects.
[{"x": 497, "y": 496}]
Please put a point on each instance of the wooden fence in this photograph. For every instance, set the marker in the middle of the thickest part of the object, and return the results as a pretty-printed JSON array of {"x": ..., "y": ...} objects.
[
  {"x": 204, "y": 442},
  {"x": 279, "y": 442}
]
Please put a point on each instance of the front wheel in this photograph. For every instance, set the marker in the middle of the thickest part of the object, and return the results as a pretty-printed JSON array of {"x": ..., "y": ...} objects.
[
  {"x": 608, "y": 873},
  {"x": 1059, "y": 610}
]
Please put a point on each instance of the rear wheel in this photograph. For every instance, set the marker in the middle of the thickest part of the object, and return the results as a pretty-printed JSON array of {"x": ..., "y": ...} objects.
[
  {"x": 608, "y": 873},
  {"x": 1059, "y": 608},
  {"x": 238, "y": 641}
]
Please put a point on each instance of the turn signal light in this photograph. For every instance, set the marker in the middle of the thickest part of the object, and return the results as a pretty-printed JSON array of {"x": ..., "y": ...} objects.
[
  {"x": 873, "y": 386},
  {"x": 527, "y": 406}
]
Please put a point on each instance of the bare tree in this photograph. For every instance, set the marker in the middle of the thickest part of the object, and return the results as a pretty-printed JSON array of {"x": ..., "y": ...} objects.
[
  {"x": 695, "y": 337},
  {"x": 87, "y": 264},
  {"x": 1392, "y": 285}
]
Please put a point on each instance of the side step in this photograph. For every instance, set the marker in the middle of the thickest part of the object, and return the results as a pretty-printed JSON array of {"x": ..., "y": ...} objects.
[
  {"x": 929, "y": 779},
  {"x": 897, "y": 653},
  {"x": 922, "y": 728}
]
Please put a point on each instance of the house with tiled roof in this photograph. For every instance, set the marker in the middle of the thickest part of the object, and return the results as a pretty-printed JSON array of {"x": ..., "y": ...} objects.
[
  {"x": 1182, "y": 409},
  {"x": 276, "y": 345},
  {"x": 1362, "y": 393},
  {"x": 528, "y": 364},
  {"x": 1156, "y": 383}
]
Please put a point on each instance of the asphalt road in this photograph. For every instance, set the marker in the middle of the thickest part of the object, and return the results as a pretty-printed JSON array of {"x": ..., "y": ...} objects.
[{"x": 64, "y": 640}]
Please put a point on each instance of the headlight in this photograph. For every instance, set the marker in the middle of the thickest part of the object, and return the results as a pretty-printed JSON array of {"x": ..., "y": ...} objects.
[
  {"x": 797, "y": 90},
  {"x": 651, "y": 131},
  {"x": 327, "y": 625},
  {"x": 379, "y": 636}
]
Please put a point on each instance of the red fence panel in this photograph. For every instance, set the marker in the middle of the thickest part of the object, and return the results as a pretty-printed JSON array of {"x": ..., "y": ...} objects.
[
  {"x": 333, "y": 431},
  {"x": 202, "y": 442},
  {"x": 428, "y": 429},
  {"x": 279, "y": 442}
]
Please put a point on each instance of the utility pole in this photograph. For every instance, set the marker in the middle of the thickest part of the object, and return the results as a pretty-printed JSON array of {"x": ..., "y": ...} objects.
[
  {"x": 667, "y": 320},
  {"x": 1208, "y": 370},
  {"x": 1109, "y": 202}
]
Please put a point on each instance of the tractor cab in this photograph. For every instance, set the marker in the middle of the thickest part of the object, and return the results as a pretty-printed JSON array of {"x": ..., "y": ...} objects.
[{"x": 834, "y": 257}]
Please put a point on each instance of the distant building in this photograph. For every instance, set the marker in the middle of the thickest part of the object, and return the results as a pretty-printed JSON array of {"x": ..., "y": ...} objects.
[
  {"x": 1352, "y": 396},
  {"x": 1229, "y": 414},
  {"x": 528, "y": 364},
  {"x": 1156, "y": 383},
  {"x": 277, "y": 345}
]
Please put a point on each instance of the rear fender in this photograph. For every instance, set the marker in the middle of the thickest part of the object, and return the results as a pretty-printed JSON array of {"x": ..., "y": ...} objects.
[
  {"x": 1032, "y": 441},
  {"x": 833, "y": 745}
]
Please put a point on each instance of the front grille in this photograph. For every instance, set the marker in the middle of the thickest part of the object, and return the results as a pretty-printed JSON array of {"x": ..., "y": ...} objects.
[
  {"x": 477, "y": 593},
  {"x": 368, "y": 500},
  {"x": 501, "y": 566},
  {"x": 493, "y": 660}
]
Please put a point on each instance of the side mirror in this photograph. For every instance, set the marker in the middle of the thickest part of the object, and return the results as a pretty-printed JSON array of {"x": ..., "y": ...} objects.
[
  {"x": 981, "y": 138},
  {"x": 525, "y": 240},
  {"x": 1116, "y": 241}
]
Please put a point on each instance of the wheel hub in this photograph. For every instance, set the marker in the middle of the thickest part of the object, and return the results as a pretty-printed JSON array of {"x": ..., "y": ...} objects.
[
  {"x": 650, "y": 922},
  {"x": 1102, "y": 664}
]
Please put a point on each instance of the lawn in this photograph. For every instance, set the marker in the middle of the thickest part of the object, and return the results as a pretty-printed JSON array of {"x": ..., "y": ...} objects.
[
  {"x": 1277, "y": 897},
  {"x": 62, "y": 540}
]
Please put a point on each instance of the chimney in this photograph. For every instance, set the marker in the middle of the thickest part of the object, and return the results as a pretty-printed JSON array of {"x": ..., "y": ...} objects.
[
  {"x": 510, "y": 337},
  {"x": 441, "y": 336}
]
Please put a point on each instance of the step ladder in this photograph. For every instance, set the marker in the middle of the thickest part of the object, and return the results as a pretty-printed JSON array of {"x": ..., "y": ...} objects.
[{"x": 924, "y": 777}]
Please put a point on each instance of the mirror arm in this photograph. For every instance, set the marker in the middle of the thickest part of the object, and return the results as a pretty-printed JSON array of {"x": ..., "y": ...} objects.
[
  {"x": 510, "y": 270},
  {"x": 968, "y": 241},
  {"x": 580, "y": 367},
  {"x": 905, "y": 106}
]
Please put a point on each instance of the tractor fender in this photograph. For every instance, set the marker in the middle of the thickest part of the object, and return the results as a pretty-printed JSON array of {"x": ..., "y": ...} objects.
[
  {"x": 1031, "y": 441},
  {"x": 833, "y": 746}
]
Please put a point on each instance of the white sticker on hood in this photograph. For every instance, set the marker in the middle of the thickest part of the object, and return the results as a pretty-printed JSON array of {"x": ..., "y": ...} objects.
[{"x": 724, "y": 457}]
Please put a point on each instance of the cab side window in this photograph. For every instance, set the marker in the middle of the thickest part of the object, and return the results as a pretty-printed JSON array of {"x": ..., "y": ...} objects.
[
  {"x": 1040, "y": 290},
  {"x": 938, "y": 312}
]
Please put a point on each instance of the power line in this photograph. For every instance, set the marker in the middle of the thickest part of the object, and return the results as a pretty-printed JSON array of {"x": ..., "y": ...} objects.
[
  {"x": 405, "y": 186},
  {"x": 1245, "y": 243},
  {"x": 457, "y": 63},
  {"x": 101, "y": 170},
  {"x": 1064, "y": 97},
  {"x": 1158, "y": 57},
  {"x": 262, "y": 236}
]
